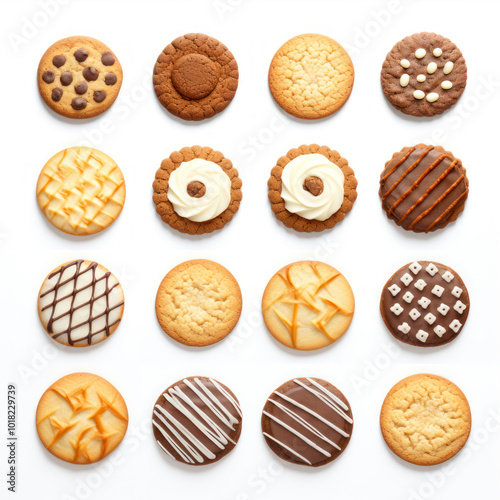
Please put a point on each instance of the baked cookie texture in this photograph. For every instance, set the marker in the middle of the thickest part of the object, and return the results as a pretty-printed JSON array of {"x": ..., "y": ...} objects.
[
  {"x": 197, "y": 421},
  {"x": 296, "y": 221},
  {"x": 195, "y": 77},
  {"x": 81, "y": 418},
  {"x": 423, "y": 188},
  {"x": 81, "y": 191},
  {"x": 79, "y": 77},
  {"x": 425, "y": 304},
  {"x": 166, "y": 209},
  {"x": 80, "y": 303},
  {"x": 307, "y": 305},
  {"x": 311, "y": 76},
  {"x": 424, "y": 75},
  {"x": 425, "y": 419},
  {"x": 307, "y": 421},
  {"x": 198, "y": 303}
]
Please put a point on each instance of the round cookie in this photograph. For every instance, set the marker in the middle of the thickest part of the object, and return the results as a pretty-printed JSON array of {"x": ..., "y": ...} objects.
[
  {"x": 312, "y": 188},
  {"x": 195, "y": 77},
  {"x": 197, "y": 421},
  {"x": 425, "y": 419},
  {"x": 307, "y": 421},
  {"x": 81, "y": 191},
  {"x": 198, "y": 303},
  {"x": 424, "y": 75},
  {"x": 80, "y": 303},
  {"x": 311, "y": 76},
  {"x": 307, "y": 305},
  {"x": 79, "y": 77},
  {"x": 423, "y": 188},
  {"x": 81, "y": 418},
  {"x": 425, "y": 304},
  {"x": 197, "y": 190}
]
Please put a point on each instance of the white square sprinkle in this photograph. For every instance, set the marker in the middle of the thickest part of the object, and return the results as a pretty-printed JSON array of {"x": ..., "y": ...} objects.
[
  {"x": 394, "y": 289},
  {"x": 406, "y": 279},
  {"x": 455, "y": 325},
  {"x": 414, "y": 314},
  {"x": 443, "y": 309},
  {"x": 438, "y": 290},
  {"x": 448, "y": 277},
  {"x": 439, "y": 331},
  {"x": 459, "y": 306},
  {"x": 404, "y": 327},
  {"x": 431, "y": 269},
  {"x": 422, "y": 336},
  {"x": 420, "y": 284},
  {"x": 415, "y": 267},
  {"x": 424, "y": 302},
  {"x": 457, "y": 291},
  {"x": 408, "y": 297},
  {"x": 397, "y": 309},
  {"x": 430, "y": 318}
]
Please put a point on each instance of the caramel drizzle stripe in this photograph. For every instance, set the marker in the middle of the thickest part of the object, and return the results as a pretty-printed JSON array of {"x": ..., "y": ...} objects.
[
  {"x": 435, "y": 204},
  {"x": 449, "y": 209},
  {"x": 397, "y": 165}
]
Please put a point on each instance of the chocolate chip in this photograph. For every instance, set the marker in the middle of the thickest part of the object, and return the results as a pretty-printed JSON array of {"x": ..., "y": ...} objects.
[
  {"x": 196, "y": 189},
  {"x": 57, "y": 93},
  {"x": 110, "y": 79},
  {"x": 81, "y": 88},
  {"x": 81, "y": 55},
  {"x": 90, "y": 74},
  {"x": 66, "y": 78},
  {"x": 78, "y": 103},
  {"x": 99, "y": 95},
  {"x": 108, "y": 59},
  {"x": 58, "y": 61},
  {"x": 48, "y": 77},
  {"x": 314, "y": 185}
]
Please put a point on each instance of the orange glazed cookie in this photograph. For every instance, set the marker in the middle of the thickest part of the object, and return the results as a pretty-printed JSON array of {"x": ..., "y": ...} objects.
[{"x": 81, "y": 418}]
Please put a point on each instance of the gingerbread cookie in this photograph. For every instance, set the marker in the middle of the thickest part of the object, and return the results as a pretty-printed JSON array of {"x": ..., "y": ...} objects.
[
  {"x": 81, "y": 418},
  {"x": 307, "y": 305},
  {"x": 198, "y": 303},
  {"x": 80, "y": 303},
  {"x": 81, "y": 191},
  {"x": 424, "y": 74},
  {"x": 307, "y": 421},
  {"x": 425, "y": 304},
  {"x": 197, "y": 421},
  {"x": 311, "y": 76},
  {"x": 423, "y": 188},
  {"x": 312, "y": 188},
  {"x": 197, "y": 190},
  {"x": 195, "y": 77},
  {"x": 79, "y": 77},
  {"x": 425, "y": 419}
]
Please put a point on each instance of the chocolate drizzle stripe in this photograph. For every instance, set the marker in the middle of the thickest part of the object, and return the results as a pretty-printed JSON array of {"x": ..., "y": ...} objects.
[{"x": 448, "y": 210}]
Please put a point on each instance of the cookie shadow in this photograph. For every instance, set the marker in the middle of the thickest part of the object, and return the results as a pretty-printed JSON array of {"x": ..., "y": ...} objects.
[
  {"x": 190, "y": 348},
  {"x": 411, "y": 235}
]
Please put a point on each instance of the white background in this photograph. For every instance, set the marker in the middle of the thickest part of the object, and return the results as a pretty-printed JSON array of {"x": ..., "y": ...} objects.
[{"x": 139, "y": 359}]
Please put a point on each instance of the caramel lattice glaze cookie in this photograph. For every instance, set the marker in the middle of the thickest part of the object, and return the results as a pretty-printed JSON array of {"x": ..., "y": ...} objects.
[
  {"x": 81, "y": 418},
  {"x": 198, "y": 303},
  {"x": 425, "y": 419},
  {"x": 423, "y": 188},
  {"x": 197, "y": 421},
  {"x": 312, "y": 188},
  {"x": 307, "y": 421},
  {"x": 425, "y": 304},
  {"x": 311, "y": 76},
  {"x": 197, "y": 190},
  {"x": 81, "y": 191},
  {"x": 80, "y": 303},
  {"x": 79, "y": 77},
  {"x": 424, "y": 75},
  {"x": 307, "y": 305},
  {"x": 195, "y": 77}
]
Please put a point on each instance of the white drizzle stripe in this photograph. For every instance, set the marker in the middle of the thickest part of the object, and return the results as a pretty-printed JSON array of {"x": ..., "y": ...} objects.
[
  {"x": 287, "y": 448},
  {"x": 328, "y": 393},
  {"x": 228, "y": 396},
  {"x": 161, "y": 446}
]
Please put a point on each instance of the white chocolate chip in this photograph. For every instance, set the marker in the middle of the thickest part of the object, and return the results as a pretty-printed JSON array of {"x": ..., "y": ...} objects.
[
  {"x": 431, "y": 68},
  {"x": 437, "y": 52},
  {"x": 432, "y": 97},
  {"x": 421, "y": 78},
  {"x": 448, "y": 68},
  {"x": 419, "y": 53},
  {"x": 405, "y": 63},
  {"x": 404, "y": 80},
  {"x": 446, "y": 85},
  {"x": 418, "y": 94}
]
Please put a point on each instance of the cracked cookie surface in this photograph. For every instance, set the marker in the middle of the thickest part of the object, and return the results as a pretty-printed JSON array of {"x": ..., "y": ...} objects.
[{"x": 425, "y": 419}]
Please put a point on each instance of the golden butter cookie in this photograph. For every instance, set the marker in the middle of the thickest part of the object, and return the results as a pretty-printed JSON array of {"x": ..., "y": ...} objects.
[
  {"x": 311, "y": 76},
  {"x": 307, "y": 305},
  {"x": 198, "y": 303},
  {"x": 79, "y": 77},
  {"x": 81, "y": 418},
  {"x": 312, "y": 188},
  {"x": 81, "y": 191},
  {"x": 197, "y": 190},
  {"x": 80, "y": 303},
  {"x": 425, "y": 419}
]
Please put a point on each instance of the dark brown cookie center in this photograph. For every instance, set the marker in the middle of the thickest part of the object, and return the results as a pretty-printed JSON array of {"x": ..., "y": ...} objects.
[
  {"x": 314, "y": 185},
  {"x": 196, "y": 189},
  {"x": 195, "y": 76}
]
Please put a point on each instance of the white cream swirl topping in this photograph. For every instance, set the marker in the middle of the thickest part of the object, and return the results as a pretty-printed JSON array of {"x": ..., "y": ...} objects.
[
  {"x": 216, "y": 197},
  {"x": 300, "y": 201}
]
